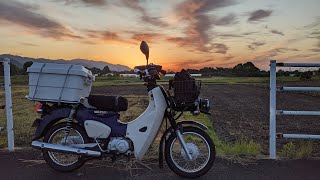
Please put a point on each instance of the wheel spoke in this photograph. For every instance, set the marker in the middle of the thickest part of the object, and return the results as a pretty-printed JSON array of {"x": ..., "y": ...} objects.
[
  {"x": 198, "y": 148},
  {"x": 58, "y": 137}
]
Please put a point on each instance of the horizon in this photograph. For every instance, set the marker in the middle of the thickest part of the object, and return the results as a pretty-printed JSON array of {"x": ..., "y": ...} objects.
[{"x": 181, "y": 34}]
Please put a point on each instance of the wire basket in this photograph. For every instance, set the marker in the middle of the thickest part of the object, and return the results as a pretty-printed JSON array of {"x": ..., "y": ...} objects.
[{"x": 186, "y": 93}]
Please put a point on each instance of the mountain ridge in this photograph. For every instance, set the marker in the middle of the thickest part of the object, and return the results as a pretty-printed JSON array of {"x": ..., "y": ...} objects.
[{"x": 19, "y": 61}]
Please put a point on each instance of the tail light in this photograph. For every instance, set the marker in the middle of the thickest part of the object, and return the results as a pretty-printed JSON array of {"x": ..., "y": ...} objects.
[{"x": 39, "y": 108}]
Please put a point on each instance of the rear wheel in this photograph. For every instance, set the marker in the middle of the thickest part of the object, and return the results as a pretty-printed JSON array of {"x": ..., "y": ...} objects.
[
  {"x": 57, "y": 134},
  {"x": 200, "y": 147}
]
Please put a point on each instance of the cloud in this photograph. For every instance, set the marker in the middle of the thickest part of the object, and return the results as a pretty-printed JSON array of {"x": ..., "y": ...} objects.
[
  {"x": 258, "y": 43},
  {"x": 314, "y": 24},
  {"x": 259, "y": 14},
  {"x": 149, "y": 37},
  {"x": 86, "y": 2},
  {"x": 156, "y": 21},
  {"x": 104, "y": 37},
  {"x": 315, "y": 50},
  {"x": 22, "y": 15},
  {"x": 277, "y": 32},
  {"x": 28, "y": 44},
  {"x": 189, "y": 64},
  {"x": 235, "y": 35},
  {"x": 316, "y": 33},
  {"x": 226, "y": 20},
  {"x": 145, "y": 17},
  {"x": 229, "y": 35},
  {"x": 255, "y": 45},
  {"x": 219, "y": 48},
  {"x": 228, "y": 57},
  {"x": 194, "y": 14},
  {"x": 273, "y": 53}
]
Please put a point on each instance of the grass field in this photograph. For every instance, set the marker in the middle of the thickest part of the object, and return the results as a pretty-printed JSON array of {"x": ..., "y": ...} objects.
[
  {"x": 24, "y": 114},
  {"x": 22, "y": 80}
]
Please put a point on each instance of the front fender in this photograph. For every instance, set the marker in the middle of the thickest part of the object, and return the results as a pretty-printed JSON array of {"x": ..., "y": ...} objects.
[
  {"x": 50, "y": 119},
  {"x": 170, "y": 130}
]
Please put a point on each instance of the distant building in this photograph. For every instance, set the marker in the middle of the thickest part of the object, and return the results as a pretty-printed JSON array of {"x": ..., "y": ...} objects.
[
  {"x": 129, "y": 75},
  {"x": 108, "y": 74},
  {"x": 196, "y": 75},
  {"x": 169, "y": 75},
  {"x": 193, "y": 75}
]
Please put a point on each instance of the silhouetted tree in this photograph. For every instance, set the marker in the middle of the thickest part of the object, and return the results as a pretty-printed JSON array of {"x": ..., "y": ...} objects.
[
  {"x": 26, "y": 65},
  {"x": 95, "y": 70},
  {"x": 306, "y": 75},
  {"x": 105, "y": 70}
]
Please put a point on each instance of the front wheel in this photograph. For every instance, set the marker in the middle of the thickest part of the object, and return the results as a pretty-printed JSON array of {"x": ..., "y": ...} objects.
[{"x": 200, "y": 147}]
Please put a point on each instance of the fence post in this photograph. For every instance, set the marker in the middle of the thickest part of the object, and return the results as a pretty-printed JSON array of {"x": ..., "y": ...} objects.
[
  {"x": 7, "y": 82},
  {"x": 273, "y": 100}
]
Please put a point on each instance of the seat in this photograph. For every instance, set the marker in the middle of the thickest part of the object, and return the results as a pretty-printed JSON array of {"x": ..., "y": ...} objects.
[{"x": 108, "y": 103}]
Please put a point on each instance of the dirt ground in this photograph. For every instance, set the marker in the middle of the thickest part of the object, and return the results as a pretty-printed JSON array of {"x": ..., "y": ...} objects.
[
  {"x": 29, "y": 164},
  {"x": 242, "y": 110}
]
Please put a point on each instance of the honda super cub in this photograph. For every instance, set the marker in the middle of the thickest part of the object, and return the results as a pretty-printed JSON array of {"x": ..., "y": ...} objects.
[{"x": 72, "y": 133}]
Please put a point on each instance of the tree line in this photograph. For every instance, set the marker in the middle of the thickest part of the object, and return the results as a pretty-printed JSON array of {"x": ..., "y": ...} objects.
[{"x": 247, "y": 69}]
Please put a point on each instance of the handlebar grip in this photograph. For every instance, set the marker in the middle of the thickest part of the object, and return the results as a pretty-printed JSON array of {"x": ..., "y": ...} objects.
[{"x": 138, "y": 71}]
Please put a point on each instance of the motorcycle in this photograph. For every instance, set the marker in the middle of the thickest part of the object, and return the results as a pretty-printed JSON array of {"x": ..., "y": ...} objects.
[{"x": 89, "y": 129}]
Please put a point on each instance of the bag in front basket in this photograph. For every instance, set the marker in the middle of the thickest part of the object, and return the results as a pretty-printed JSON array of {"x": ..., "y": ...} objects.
[{"x": 186, "y": 90}]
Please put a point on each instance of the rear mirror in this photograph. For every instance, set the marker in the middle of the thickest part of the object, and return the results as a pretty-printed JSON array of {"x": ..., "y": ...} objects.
[{"x": 145, "y": 49}]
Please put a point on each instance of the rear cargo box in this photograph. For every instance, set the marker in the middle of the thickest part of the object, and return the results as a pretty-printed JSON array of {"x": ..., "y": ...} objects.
[{"x": 52, "y": 82}]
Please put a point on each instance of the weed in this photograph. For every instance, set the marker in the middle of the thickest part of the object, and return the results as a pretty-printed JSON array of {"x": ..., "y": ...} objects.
[
  {"x": 288, "y": 150},
  {"x": 300, "y": 151},
  {"x": 242, "y": 147}
]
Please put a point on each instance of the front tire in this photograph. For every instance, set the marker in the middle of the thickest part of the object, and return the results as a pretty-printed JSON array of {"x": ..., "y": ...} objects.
[
  {"x": 201, "y": 148},
  {"x": 64, "y": 162}
]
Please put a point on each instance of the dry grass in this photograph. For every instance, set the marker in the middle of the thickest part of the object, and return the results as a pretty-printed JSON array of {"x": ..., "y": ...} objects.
[{"x": 23, "y": 117}]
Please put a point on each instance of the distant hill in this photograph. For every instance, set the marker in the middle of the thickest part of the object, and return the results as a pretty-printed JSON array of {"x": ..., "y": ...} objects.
[{"x": 19, "y": 61}]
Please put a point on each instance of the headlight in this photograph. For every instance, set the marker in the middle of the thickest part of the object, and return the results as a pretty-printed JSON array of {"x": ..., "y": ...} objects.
[{"x": 204, "y": 105}]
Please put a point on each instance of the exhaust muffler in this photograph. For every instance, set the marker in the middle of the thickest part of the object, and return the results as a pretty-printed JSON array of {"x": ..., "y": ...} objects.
[{"x": 60, "y": 148}]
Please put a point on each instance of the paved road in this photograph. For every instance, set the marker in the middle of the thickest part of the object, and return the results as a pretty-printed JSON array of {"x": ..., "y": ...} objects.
[{"x": 28, "y": 165}]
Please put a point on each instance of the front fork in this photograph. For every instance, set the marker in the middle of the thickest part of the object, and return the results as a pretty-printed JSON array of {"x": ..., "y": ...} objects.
[
  {"x": 178, "y": 133},
  {"x": 183, "y": 144}
]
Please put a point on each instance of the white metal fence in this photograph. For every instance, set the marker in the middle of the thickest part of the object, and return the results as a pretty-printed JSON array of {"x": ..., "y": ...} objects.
[
  {"x": 273, "y": 110},
  {"x": 7, "y": 85}
]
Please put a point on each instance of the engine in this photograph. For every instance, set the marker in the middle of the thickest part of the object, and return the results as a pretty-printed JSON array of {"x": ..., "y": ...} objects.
[{"x": 119, "y": 144}]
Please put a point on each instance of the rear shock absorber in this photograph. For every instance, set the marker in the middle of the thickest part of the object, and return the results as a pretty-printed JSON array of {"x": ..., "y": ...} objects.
[{"x": 69, "y": 122}]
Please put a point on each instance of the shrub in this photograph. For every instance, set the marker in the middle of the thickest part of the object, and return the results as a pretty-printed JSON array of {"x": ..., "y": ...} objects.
[
  {"x": 288, "y": 150},
  {"x": 306, "y": 75}
]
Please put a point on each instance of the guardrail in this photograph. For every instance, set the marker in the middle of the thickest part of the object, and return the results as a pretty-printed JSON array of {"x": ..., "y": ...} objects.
[
  {"x": 8, "y": 106},
  {"x": 274, "y": 112}
]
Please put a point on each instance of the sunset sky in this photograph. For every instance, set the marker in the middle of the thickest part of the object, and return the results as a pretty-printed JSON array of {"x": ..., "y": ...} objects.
[{"x": 180, "y": 33}]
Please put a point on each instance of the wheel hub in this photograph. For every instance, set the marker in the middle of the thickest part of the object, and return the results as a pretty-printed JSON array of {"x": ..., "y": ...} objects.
[{"x": 193, "y": 151}]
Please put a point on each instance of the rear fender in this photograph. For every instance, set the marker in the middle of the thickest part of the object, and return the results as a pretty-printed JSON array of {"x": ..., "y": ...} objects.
[
  {"x": 49, "y": 120},
  {"x": 170, "y": 131}
]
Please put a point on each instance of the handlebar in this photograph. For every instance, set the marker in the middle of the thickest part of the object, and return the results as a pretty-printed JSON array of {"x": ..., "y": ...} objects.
[{"x": 150, "y": 71}]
